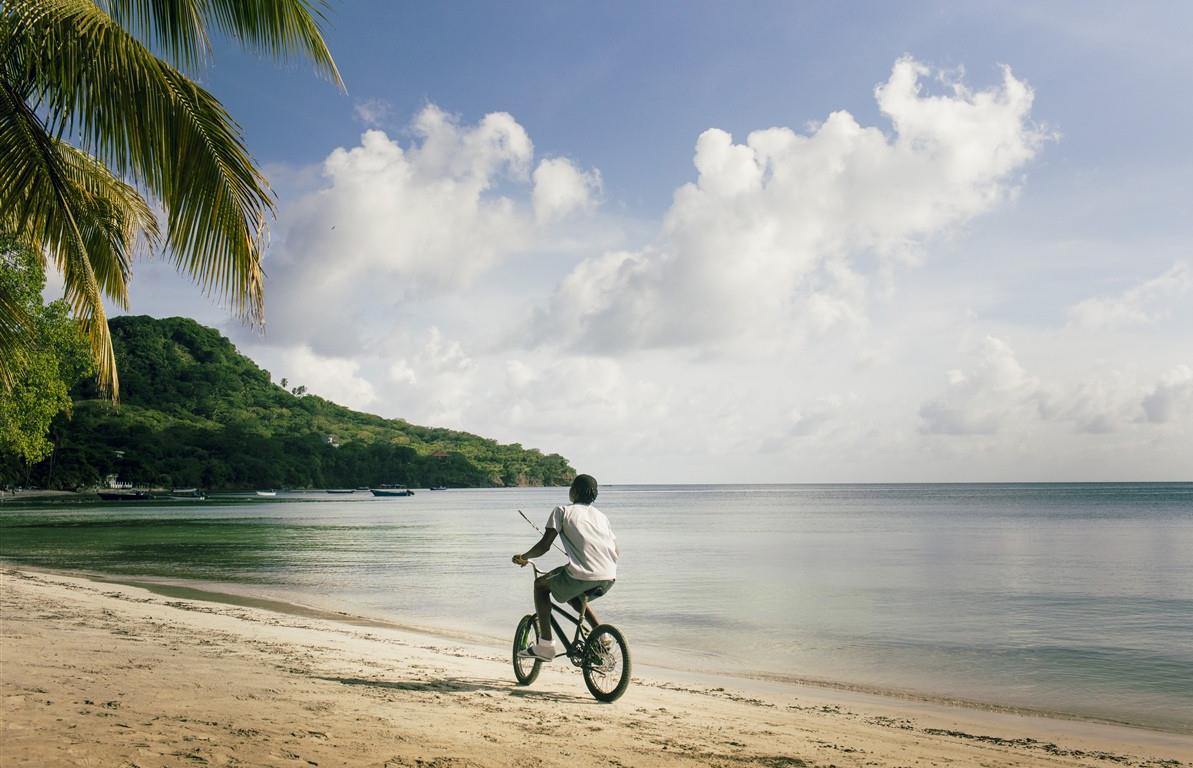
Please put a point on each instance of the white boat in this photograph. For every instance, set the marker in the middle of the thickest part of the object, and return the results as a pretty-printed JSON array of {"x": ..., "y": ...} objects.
[
  {"x": 388, "y": 489},
  {"x": 267, "y": 494}
]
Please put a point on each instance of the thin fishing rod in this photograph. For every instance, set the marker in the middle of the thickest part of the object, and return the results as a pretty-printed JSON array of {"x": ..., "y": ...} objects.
[{"x": 540, "y": 533}]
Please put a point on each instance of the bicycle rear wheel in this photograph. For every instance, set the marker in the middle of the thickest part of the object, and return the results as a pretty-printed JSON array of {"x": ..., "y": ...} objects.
[
  {"x": 606, "y": 663},
  {"x": 526, "y": 635}
]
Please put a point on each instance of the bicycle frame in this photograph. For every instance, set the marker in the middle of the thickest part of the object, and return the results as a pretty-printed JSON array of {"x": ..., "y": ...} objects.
[{"x": 573, "y": 648}]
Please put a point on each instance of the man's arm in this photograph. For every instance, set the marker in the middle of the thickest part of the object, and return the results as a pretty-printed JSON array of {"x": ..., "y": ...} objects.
[{"x": 538, "y": 550}]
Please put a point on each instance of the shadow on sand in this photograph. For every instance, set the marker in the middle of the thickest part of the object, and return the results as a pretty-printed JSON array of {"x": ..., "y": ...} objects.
[{"x": 456, "y": 685}]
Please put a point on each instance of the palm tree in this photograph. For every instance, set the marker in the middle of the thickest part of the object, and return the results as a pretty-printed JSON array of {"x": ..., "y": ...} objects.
[{"x": 102, "y": 128}]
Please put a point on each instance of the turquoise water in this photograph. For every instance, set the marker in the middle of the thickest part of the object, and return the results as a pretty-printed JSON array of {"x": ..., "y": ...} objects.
[{"x": 1072, "y": 598}]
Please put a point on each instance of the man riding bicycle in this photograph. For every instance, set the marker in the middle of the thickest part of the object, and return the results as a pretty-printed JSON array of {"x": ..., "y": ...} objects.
[{"x": 592, "y": 560}]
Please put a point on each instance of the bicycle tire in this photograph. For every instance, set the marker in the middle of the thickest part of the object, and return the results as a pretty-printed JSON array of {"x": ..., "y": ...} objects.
[
  {"x": 526, "y": 670},
  {"x": 606, "y": 670}
]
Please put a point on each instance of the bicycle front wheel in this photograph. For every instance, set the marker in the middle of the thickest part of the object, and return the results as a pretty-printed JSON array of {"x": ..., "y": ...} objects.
[
  {"x": 527, "y": 634},
  {"x": 606, "y": 663}
]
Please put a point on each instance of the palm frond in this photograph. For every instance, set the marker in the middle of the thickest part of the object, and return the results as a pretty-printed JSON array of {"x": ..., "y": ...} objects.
[
  {"x": 181, "y": 29},
  {"x": 70, "y": 70},
  {"x": 148, "y": 121},
  {"x": 40, "y": 201},
  {"x": 117, "y": 224},
  {"x": 175, "y": 28}
]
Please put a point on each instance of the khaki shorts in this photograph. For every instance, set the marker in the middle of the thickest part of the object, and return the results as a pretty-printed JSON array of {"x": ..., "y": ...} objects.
[{"x": 564, "y": 586}]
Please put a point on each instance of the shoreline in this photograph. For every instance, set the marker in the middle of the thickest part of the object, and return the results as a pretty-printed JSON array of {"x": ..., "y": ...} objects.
[
  {"x": 204, "y": 591},
  {"x": 33, "y": 497},
  {"x": 75, "y": 630}
]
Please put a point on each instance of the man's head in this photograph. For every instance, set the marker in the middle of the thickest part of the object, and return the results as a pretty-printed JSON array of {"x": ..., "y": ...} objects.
[{"x": 584, "y": 489}]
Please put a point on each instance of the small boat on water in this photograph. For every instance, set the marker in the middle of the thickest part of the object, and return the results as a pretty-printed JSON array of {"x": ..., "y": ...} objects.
[
  {"x": 187, "y": 493},
  {"x": 341, "y": 490},
  {"x": 267, "y": 494},
  {"x": 438, "y": 488},
  {"x": 391, "y": 489},
  {"x": 125, "y": 495}
]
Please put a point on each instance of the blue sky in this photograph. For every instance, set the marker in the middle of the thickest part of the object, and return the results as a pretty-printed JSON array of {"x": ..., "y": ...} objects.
[
  {"x": 616, "y": 80},
  {"x": 560, "y": 234}
]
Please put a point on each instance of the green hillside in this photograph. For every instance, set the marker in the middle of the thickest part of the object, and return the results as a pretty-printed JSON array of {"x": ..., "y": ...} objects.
[{"x": 195, "y": 412}]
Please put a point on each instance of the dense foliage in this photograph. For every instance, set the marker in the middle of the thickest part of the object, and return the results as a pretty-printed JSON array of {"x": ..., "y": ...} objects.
[
  {"x": 195, "y": 412},
  {"x": 53, "y": 357}
]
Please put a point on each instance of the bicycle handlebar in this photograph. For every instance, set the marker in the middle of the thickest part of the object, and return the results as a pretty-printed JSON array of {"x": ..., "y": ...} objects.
[{"x": 537, "y": 571}]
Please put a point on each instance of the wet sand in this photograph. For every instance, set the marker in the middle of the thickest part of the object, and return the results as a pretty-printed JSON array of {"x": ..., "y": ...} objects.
[{"x": 95, "y": 673}]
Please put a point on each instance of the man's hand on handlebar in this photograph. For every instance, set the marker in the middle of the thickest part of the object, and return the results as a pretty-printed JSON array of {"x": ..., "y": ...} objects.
[{"x": 521, "y": 560}]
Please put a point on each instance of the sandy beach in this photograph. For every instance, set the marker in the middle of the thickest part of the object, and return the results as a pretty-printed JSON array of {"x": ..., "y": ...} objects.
[{"x": 105, "y": 674}]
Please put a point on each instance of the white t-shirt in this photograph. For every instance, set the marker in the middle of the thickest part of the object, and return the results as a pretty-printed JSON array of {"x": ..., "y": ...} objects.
[{"x": 588, "y": 540}]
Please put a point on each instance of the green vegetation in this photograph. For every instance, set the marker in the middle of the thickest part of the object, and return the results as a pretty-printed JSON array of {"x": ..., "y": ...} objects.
[
  {"x": 101, "y": 121},
  {"x": 52, "y": 358},
  {"x": 195, "y": 412}
]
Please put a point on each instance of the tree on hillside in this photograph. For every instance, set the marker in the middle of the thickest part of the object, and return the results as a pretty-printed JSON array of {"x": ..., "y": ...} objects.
[
  {"x": 101, "y": 123},
  {"x": 54, "y": 357}
]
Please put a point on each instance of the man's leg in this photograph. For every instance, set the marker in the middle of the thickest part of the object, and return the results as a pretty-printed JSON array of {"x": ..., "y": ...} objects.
[
  {"x": 592, "y": 617},
  {"x": 542, "y": 603}
]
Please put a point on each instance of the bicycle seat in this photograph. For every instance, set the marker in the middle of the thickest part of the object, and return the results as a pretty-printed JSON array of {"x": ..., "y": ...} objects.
[{"x": 594, "y": 593}]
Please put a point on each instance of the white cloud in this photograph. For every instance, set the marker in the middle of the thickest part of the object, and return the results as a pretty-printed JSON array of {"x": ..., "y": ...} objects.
[
  {"x": 997, "y": 394},
  {"x": 434, "y": 377},
  {"x": 433, "y": 354},
  {"x": 334, "y": 378},
  {"x": 804, "y": 423},
  {"x": 982, "y": 400},
  {"x": 1098, "y": 404},
  {"x": 560, "y": 188},
  {"x": 394, "y": 224},
  {"x": 581, "y": 391},
  {"x": 766, "y": 237},
  {"x": 401, "y": 373},
  {"x": 440, "y": 379},
  {"x": 1140, "y": 305},
  {"x": 1172, "y": 397},
  {"x": 374, "y": 113}
]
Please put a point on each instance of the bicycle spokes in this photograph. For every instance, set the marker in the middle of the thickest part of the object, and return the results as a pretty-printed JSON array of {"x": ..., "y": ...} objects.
[{"x": 606, "y": 663}]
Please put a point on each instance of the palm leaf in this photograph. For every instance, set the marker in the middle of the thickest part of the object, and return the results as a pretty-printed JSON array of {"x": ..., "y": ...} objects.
[
  {"x": 41, "y": 201},
  {"x": 69, "y": 70},
  {"x": 181, "y": 29},
  {"x": 113, "y": 221},
  {"x": 146, "y": 120},
  {"x": 117, "y": 224}
]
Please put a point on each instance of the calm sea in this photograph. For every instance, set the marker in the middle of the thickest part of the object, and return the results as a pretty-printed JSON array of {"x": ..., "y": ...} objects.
[{"x": 1071, "y": 598}]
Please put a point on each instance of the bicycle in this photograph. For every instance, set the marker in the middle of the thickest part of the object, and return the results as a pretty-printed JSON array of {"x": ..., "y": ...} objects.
[{"x": 601, "y": 654}]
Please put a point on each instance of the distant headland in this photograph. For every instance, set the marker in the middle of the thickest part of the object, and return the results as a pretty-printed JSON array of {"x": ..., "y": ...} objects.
[{"x": 194, "y": 412}]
